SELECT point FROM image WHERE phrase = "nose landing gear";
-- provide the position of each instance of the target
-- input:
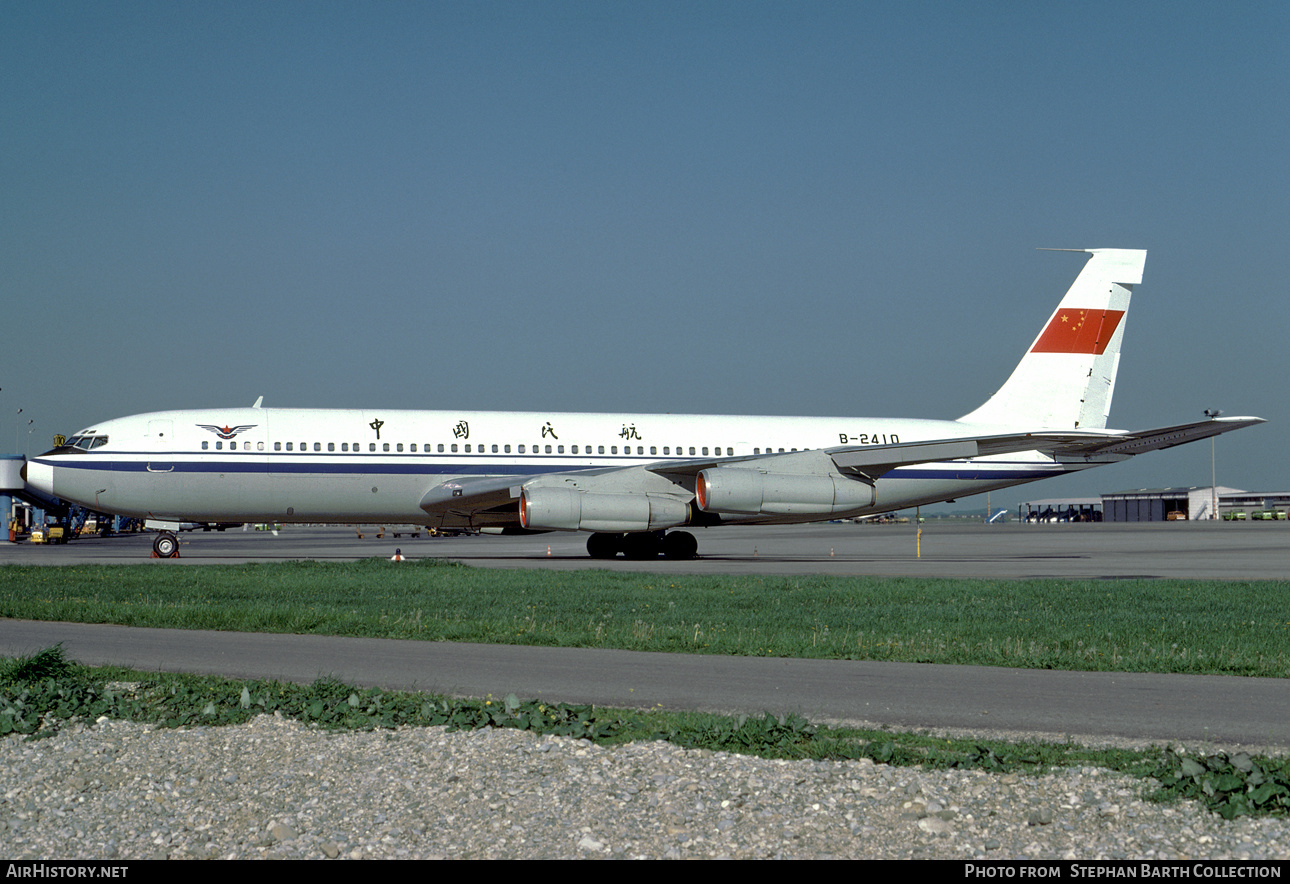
(165, 546)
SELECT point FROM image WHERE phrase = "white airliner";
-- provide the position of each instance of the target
(625, 478)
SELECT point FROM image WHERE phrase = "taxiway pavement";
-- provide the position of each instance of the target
(1087, 706)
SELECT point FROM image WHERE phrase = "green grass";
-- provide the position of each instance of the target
(1219, 627)
(38, 694)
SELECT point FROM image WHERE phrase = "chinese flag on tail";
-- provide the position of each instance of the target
(1078, 331)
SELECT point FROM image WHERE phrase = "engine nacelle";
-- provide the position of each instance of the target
(752, 492)
(565, 509)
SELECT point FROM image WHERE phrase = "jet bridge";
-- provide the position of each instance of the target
(11, 474)
(12, 484)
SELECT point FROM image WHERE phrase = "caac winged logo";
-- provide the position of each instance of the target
(226, 432)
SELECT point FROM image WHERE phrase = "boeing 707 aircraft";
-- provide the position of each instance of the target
(626, 479)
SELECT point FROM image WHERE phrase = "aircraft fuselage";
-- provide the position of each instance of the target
(364, 466)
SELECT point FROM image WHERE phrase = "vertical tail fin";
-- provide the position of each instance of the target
(1066, 378)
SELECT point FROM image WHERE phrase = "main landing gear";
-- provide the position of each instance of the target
(643, 546)
(165, 546)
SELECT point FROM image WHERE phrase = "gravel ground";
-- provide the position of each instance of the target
(277, 788)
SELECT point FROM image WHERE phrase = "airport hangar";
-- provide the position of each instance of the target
(1191, 503)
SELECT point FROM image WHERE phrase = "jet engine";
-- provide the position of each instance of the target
(734, 490)
(565, 509)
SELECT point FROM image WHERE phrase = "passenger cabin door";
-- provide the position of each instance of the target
(159, 442)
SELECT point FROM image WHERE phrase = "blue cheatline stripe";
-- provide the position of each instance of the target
(258, 464)
(971, 475)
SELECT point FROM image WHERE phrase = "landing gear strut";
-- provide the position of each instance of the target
(643, 546)
(165, 546)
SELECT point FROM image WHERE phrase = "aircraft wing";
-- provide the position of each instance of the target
(482, 501)
(468, 495)
(870, 462)
(485, 500)
(1141, 441)
(463, 497)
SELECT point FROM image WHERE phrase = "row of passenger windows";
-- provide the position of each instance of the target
(477, 448)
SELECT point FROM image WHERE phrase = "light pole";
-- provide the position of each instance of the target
(1212, 413)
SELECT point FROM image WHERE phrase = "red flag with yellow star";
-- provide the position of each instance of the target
(1078, 331)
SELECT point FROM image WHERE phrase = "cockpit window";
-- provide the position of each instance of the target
(87, 442)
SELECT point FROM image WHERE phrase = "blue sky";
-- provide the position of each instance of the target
(778, 208)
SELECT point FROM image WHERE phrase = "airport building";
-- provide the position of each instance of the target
(1061, 509)
(1162, 504)
(1192, 503)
